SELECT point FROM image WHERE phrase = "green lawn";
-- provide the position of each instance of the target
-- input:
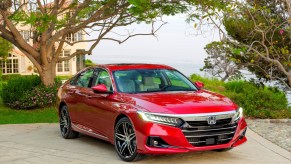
(10, 116)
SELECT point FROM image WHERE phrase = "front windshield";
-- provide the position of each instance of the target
(151, 80)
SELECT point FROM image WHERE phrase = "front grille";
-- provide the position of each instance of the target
(205, 123)
(199, 133)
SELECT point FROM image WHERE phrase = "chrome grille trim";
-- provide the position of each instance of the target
(199, 133)
(199, 116)
(196, 130)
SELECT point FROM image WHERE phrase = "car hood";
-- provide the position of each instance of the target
(201, 101)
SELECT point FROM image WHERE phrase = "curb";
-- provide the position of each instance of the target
(272, 120)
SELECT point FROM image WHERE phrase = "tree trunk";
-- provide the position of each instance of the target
(289, 80)
(48, 74)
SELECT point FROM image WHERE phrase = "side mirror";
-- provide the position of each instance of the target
(101, 88)
(199, 84)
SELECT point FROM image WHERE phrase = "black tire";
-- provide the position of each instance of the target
(66, 125)
(125, 141)
(223, 150)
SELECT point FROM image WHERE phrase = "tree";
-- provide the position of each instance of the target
(221, 61)
(89, 63)
(5, 48)
(51, 22)
(263, 29)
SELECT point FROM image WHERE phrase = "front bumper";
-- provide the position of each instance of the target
(176, 139)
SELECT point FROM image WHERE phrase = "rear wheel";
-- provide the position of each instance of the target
(66, 125)
(125, 141)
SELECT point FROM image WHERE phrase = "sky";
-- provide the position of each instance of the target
(177, 45)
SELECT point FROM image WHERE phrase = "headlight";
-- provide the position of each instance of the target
(172, 121)
(238, 114)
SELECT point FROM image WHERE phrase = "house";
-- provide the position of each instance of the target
(18, 63)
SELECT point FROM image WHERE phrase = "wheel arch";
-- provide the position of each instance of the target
(60, 106)
(120, 116)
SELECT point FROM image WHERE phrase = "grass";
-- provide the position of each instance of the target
(11, 116)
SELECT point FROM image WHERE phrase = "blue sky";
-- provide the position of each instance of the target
(176, 45)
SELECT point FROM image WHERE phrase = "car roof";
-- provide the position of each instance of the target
(130, 66)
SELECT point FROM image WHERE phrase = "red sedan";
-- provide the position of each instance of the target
(148, 109)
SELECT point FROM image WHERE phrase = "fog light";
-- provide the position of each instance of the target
(243, 134)
(154, 141)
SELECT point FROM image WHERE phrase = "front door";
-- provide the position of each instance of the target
(100, 104)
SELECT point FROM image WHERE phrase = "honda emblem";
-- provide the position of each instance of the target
(211, 120)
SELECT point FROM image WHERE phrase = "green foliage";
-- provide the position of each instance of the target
(10, 76)
(258, 101)
(64, 77)
(14, 89)
(212, 84)
(89, 63)
(46, 115)
(5, 48)
(40, 97)
(27, 92)
(263, 25)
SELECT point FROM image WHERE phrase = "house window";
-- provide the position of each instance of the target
(25, 34)
(74, 37)
(64, 66)
(10, 65)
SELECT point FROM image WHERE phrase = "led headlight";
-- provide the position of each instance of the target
(161, 119)
(238, 114)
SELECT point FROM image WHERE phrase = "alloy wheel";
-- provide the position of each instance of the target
(125, 140)
(64, 122)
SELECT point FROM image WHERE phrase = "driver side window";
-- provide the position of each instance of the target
(104, 78)
(85, 79)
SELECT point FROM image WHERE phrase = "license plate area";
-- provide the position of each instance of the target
(210, 141)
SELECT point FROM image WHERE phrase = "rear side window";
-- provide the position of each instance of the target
(85, 79)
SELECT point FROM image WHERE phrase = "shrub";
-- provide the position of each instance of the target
(39, 97)
(212, 84)
(10, 76)
(65, 77)
(15, 87)
(257, 101)
(27, 92)
(1, 75)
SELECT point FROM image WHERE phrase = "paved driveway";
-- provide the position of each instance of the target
(42, 143)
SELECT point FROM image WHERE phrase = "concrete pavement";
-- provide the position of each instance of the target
(42, 143)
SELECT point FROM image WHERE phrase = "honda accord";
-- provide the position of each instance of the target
(148, 109)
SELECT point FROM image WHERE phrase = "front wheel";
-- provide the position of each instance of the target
(125, 140)
(66, 125)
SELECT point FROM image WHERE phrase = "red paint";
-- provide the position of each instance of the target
(96, 113)
(199, 84)
(101, 88)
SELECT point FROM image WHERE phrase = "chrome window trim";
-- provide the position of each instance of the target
(199, 116)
